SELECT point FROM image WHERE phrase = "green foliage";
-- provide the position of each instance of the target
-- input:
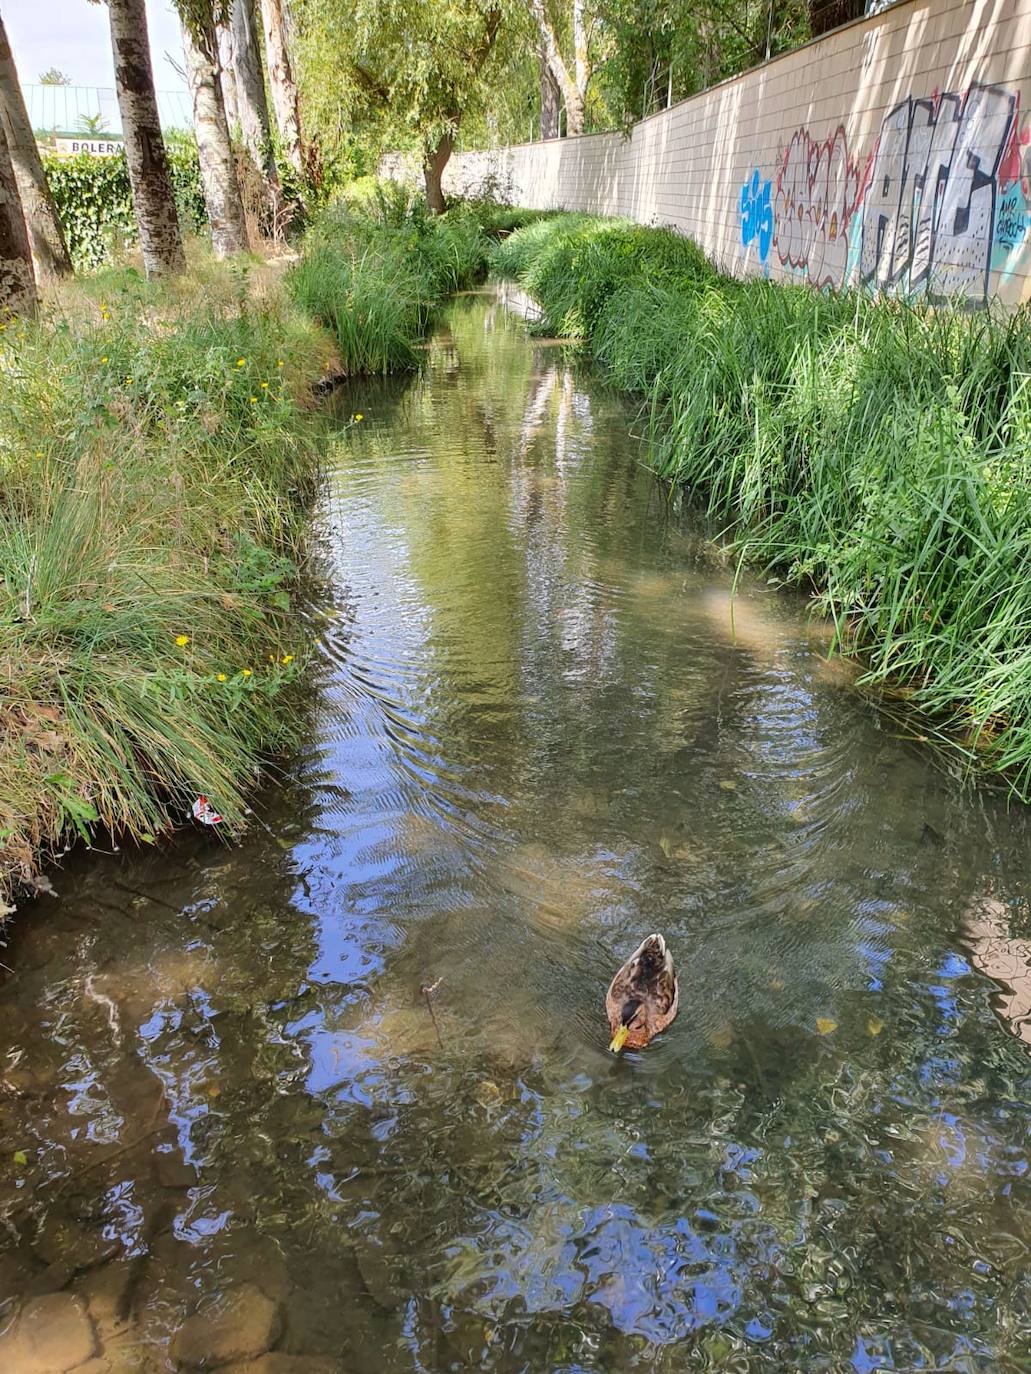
(157, 464)
(874, 453)
(657, 49)
(373, 269)
(404, 73)
(574, 264)
(94, 200)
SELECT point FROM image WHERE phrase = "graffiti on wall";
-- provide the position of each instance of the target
(819, 186)
(756, 215)
(941, 202)
(931, 209)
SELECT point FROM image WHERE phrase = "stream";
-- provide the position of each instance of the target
(544, 723)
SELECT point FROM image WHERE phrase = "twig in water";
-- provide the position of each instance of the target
(429, 991)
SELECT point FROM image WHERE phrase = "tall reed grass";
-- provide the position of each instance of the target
(157, 464)
(876, 453)
(374, 270)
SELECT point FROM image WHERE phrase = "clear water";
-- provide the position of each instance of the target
(544, 729)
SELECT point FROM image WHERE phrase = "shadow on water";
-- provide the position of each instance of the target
(543, 731)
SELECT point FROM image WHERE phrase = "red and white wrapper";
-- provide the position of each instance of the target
(204, 812)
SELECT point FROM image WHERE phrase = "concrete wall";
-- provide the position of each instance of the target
(893, 153)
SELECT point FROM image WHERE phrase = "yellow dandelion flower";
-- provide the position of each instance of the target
(182, 640)
(288, 658)
(254, 400)
(359, 418)
(241, 362)
(39, 455)
(279, 362)
(245, 672)
(128, 381)
(264, 386)
(104, 358)
(220, 677)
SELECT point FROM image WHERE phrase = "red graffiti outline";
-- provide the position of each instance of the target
(813, 153)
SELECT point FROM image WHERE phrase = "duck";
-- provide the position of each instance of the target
(643, 997)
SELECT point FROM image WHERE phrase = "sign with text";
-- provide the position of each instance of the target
(95, 147)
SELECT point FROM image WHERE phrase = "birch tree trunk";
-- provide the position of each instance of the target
(152, 198)
(215, 153)
(281, 82)
(227, 74)
(17, 283)
(45, 233)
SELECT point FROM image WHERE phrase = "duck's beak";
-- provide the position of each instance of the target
(619, 1039)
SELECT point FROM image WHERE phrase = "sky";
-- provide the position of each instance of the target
(73, 35)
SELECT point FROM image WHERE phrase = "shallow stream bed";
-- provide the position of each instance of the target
(544, 728)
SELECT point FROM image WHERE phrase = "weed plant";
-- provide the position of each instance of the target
(876, 453)
(158, 461)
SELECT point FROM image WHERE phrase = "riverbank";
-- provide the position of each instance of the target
(376, 266)
(161, 449)
(159, 457)
(874, 453)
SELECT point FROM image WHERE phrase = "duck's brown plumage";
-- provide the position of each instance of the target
(644, 993)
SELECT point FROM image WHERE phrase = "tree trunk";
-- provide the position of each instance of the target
(433, 171)
(281, 82)
(152, 198)
(17, 283)
(228, 78)
(573, 91)
(254, 123)
(551, 101)
(46, 235)
(217, 164)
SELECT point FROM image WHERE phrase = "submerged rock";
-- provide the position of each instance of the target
(239, 1325)
(50, 1335)
(64, 1241)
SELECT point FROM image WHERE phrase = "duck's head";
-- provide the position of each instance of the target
(628, 1015)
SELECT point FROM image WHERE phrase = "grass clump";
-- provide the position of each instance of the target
(374, 268)
(157, 463)
(874, 452)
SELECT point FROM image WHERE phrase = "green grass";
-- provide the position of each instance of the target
(374, 268)
(158, 460)
(875, 453)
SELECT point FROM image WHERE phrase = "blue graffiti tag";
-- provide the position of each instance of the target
(756, 214)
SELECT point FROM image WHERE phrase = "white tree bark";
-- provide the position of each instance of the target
(45, 232)
(281, 81)
(153, 201)
(253, 106)
(573, 87)
(228, 77)
(17, 283)
(217, 163)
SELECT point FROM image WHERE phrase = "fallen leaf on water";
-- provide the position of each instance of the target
(825, 1025)
(20, 1157)
(874, 1026)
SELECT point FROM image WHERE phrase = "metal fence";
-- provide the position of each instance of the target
(94, 109)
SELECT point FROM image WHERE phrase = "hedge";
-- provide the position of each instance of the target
(94, 200)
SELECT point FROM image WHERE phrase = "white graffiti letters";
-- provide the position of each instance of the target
(929, 212)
